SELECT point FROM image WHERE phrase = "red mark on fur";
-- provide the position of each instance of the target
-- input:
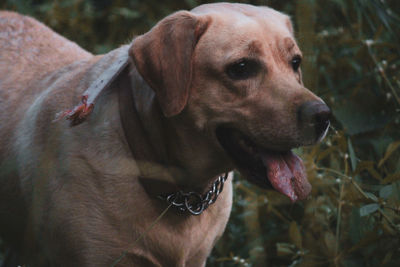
(78, 114)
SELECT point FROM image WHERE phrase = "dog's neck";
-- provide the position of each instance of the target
(159, 148)
(150, 118)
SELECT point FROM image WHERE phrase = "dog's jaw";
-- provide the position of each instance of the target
(281, 170)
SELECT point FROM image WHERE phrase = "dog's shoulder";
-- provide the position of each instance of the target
(32, 57)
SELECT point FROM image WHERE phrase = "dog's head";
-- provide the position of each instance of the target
(234, 70)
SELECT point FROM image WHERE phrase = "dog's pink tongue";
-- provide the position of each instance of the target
(287, 174)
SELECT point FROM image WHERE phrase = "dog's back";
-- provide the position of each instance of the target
(29, 51)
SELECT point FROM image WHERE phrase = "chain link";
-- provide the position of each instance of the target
(193, 202)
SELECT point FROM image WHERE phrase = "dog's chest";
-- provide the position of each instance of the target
(186, 240)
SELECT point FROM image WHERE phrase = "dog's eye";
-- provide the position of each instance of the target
(243, 69)
(296, 61)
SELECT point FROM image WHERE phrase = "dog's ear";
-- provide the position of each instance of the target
(163, 57)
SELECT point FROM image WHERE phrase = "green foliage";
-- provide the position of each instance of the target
(352, 60)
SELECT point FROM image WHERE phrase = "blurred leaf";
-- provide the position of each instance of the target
(367, 239)
(295, 235)
(330, 242)
(389, 151)
(391, 178)
(368, 209)
(386, 191)
(325, 153)
(357, 118)
(191, 3)
(387, 258)
(388, 229)
(284, 249)
(380, 144)
(368, 166)
(352, 155)
(371, 196)
(127, 13)
(355, 222)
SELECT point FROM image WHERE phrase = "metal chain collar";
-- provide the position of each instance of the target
(194, 202)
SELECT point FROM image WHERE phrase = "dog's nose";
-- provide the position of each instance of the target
(315, 115)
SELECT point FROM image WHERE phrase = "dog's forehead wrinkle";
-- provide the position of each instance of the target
(243, 48)
(289, 43)
(255, 47)
(289, 46)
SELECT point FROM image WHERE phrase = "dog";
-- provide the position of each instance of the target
(106, 160)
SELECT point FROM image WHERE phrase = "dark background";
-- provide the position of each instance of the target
(352, 60)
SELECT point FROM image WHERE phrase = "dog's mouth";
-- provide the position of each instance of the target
(284, 171)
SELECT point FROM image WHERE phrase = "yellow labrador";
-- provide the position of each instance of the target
(150, 127)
